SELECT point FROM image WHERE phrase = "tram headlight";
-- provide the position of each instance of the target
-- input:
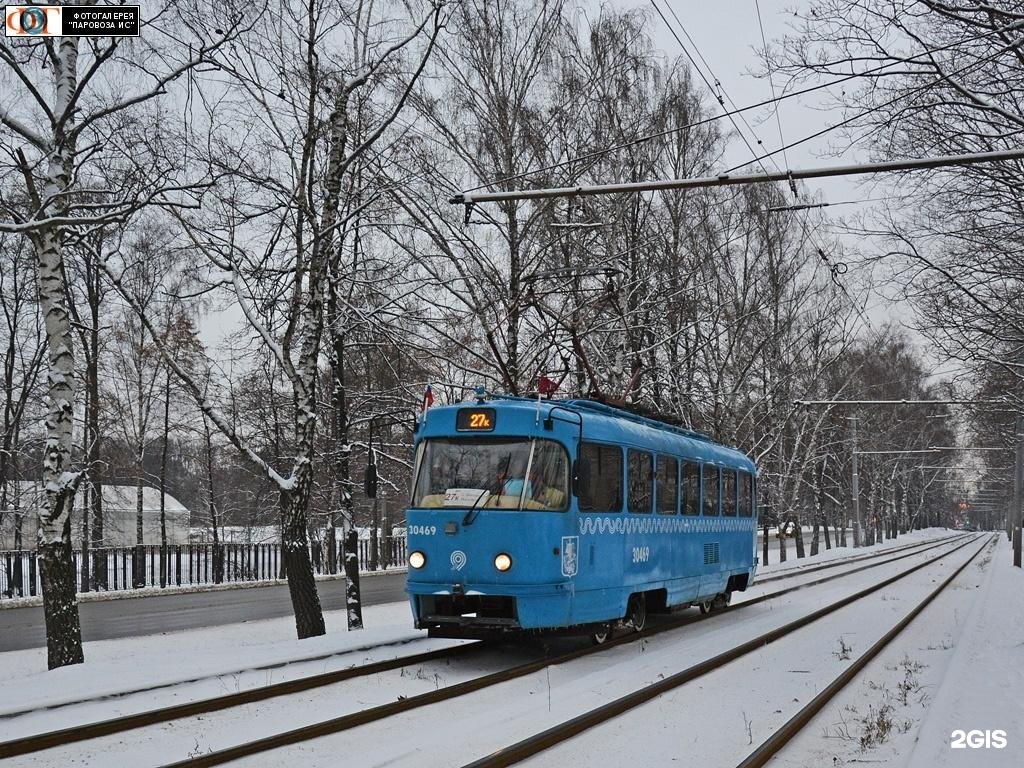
(417, 559)
(502, 562)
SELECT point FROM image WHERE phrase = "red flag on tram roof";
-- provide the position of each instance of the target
(546, 386)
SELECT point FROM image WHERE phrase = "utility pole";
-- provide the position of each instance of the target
(1018, 488)
(856, 488)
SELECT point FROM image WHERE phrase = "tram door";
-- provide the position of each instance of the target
(711, 581)
(642, 542)
(600, 496)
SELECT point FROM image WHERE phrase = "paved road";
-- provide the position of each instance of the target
(105, 619)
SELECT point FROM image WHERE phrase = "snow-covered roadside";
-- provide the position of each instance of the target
(159, 663)
(184, 589)
(984, 683)
(700, 724)
(221, 659)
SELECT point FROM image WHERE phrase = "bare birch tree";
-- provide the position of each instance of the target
(270, 228)
(64, 110)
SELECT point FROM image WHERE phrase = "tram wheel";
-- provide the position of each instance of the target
(636, 612)
(715, 604)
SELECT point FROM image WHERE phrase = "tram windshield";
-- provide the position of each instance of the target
(491, 473)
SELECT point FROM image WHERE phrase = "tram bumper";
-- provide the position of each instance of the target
(479, 611)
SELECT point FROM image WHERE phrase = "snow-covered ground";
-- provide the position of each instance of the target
(958, 666)
(212, 661)
(159, 660)
(712, 721)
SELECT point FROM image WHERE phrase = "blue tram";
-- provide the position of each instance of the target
(572, 516)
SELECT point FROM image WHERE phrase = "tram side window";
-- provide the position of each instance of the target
(729, 492)
(745, 509)
(600, 478)
(711, 489)
(691, 488)
(668, 485)
(641, 481)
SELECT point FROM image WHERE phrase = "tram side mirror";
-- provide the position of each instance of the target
(370, 481)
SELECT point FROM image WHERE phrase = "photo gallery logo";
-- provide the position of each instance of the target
(32, 20)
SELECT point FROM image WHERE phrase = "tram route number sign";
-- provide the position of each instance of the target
(72, 20)
(476, 420)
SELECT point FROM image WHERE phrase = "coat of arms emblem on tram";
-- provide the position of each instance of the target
(570, 558)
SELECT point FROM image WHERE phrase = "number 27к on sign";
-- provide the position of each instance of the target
(72, 20)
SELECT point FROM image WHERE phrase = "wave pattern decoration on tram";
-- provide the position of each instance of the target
(630, 524)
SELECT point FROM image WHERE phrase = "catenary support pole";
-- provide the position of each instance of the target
(856, 489)
(1018, 490)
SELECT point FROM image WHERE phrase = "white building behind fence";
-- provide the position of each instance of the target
(119, 516)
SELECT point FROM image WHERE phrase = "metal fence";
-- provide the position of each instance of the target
(121, 568)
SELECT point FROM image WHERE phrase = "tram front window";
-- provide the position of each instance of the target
(492, 473)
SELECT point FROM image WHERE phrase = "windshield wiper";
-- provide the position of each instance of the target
(470, 515)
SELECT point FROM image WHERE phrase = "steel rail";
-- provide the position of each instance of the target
(858, 569)
(8, 714)
(795, 724)
(84, 732)
(557, 734)
(835, 563)
(71, 734)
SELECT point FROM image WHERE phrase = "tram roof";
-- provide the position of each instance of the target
(639, 418)
(621, 425)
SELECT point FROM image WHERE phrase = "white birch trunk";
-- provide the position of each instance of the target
(60, 606)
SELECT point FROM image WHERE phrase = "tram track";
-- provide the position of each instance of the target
(566, 730)
(917, 551)
(371, 668)
(812, 567)
(283, 664)
(49, 740)
(795, 725)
